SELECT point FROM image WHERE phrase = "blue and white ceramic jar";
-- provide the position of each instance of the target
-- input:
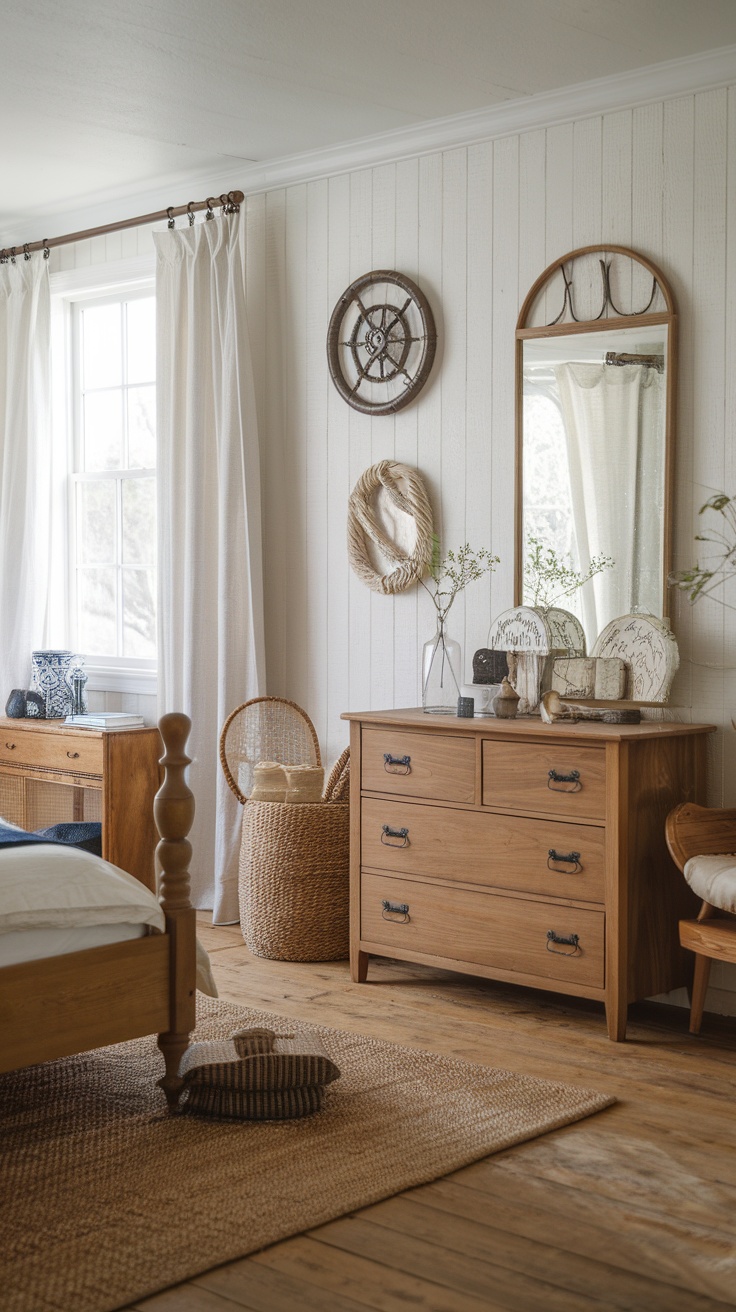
(50, 676)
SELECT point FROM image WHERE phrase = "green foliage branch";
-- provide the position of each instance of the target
(547, 579)
(702, 580)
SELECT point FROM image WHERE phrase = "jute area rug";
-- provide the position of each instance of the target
(106, 1199)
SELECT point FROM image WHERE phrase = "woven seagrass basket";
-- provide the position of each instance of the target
(294, 880)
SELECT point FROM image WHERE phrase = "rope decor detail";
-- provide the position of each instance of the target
(405, 489)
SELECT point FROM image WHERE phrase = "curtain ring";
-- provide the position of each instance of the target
(26, 252)
(225, 203)
(190, 216)
(46, 251)
(210, 212)
(12, 254)
(171, 223)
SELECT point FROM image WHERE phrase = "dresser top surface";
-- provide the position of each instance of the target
(526, 727)
(34, 724)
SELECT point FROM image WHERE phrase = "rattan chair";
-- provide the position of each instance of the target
(265, 729)
(702, 843)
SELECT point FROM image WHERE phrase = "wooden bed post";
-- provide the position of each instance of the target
(173, 809)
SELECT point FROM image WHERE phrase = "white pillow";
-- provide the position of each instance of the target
(49, 887)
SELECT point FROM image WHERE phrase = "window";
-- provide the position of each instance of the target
(112, 480)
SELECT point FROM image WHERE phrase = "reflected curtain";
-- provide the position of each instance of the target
(613, 417)
(211, 647)
(25, 451)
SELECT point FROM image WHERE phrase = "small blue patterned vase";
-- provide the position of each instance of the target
(50, 676)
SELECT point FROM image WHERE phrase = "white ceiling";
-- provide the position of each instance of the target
(102, 98)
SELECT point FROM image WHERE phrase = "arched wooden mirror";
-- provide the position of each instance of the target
(596, 379)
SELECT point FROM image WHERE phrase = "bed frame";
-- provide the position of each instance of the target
(68, 1004)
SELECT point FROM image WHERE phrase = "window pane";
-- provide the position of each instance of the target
(103, 430)
(142, 427)
(102, 359)
(141, 340)
(139, 521)
(139, 613)
(96, 619)
(96, 522)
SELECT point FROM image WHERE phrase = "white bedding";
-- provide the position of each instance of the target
(34, 944)
(56, 899)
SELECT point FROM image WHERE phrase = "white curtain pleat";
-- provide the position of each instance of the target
(210, 625)
(613, 419)
(25, 458)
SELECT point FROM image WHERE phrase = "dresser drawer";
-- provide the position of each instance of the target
(474, 847)
(565, 781)
(70, 752)
(484, 929)
(418, 765)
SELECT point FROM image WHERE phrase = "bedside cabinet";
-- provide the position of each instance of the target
(524, 852)
(51, 772)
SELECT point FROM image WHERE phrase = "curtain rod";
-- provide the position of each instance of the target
(229, 201)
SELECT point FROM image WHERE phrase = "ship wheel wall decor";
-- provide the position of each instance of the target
(381, 342)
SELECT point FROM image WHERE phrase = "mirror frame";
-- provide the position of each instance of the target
(568, 326)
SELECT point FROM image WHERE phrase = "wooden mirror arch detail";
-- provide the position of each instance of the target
(590, 290)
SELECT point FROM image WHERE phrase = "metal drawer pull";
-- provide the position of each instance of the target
(395, 909)
(572, 941)
(72, 755)
(403, 762)
(10, 747)
(572, 778)
(388, 833)
(565, 859)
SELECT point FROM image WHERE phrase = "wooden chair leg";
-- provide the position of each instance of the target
(700, 988)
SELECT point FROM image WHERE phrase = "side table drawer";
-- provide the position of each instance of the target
(485, 929)
(70, 752)
(440, 767)
(565, 781)
(547, 857)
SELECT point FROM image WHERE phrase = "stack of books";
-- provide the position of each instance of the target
(106, 720)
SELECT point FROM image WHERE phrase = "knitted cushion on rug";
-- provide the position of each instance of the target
(256, 1075)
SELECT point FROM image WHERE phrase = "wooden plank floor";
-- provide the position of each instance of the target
(633, 1209)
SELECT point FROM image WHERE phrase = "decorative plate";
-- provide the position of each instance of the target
(650, 651)
(381, 342)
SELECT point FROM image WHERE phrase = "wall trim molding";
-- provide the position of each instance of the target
(105, 276)
(656, 82)
(603, 95)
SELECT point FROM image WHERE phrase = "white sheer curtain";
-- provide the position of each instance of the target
(25, 450)
(211, 650)
(613, 416)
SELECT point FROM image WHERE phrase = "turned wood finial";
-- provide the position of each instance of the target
(173, 809)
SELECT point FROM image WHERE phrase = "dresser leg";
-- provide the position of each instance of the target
(616, 1018)
(359, 967)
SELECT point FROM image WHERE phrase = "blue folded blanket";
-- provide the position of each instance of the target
(87, 835)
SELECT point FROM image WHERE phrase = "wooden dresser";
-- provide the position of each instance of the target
(51, 772)
(521, 851)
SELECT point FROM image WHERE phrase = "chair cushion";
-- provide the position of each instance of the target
(714, 879)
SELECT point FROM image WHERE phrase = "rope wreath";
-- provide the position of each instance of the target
(406, 490)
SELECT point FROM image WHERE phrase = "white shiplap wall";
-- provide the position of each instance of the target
(475, 226)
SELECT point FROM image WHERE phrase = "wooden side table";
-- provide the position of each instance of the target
(51, 772)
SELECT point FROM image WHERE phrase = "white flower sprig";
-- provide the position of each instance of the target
(453, 573)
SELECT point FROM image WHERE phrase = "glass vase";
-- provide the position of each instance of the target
(441, 674)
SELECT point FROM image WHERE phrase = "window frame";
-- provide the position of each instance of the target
(111, 282)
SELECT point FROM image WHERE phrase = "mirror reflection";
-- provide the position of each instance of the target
(594, 464)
